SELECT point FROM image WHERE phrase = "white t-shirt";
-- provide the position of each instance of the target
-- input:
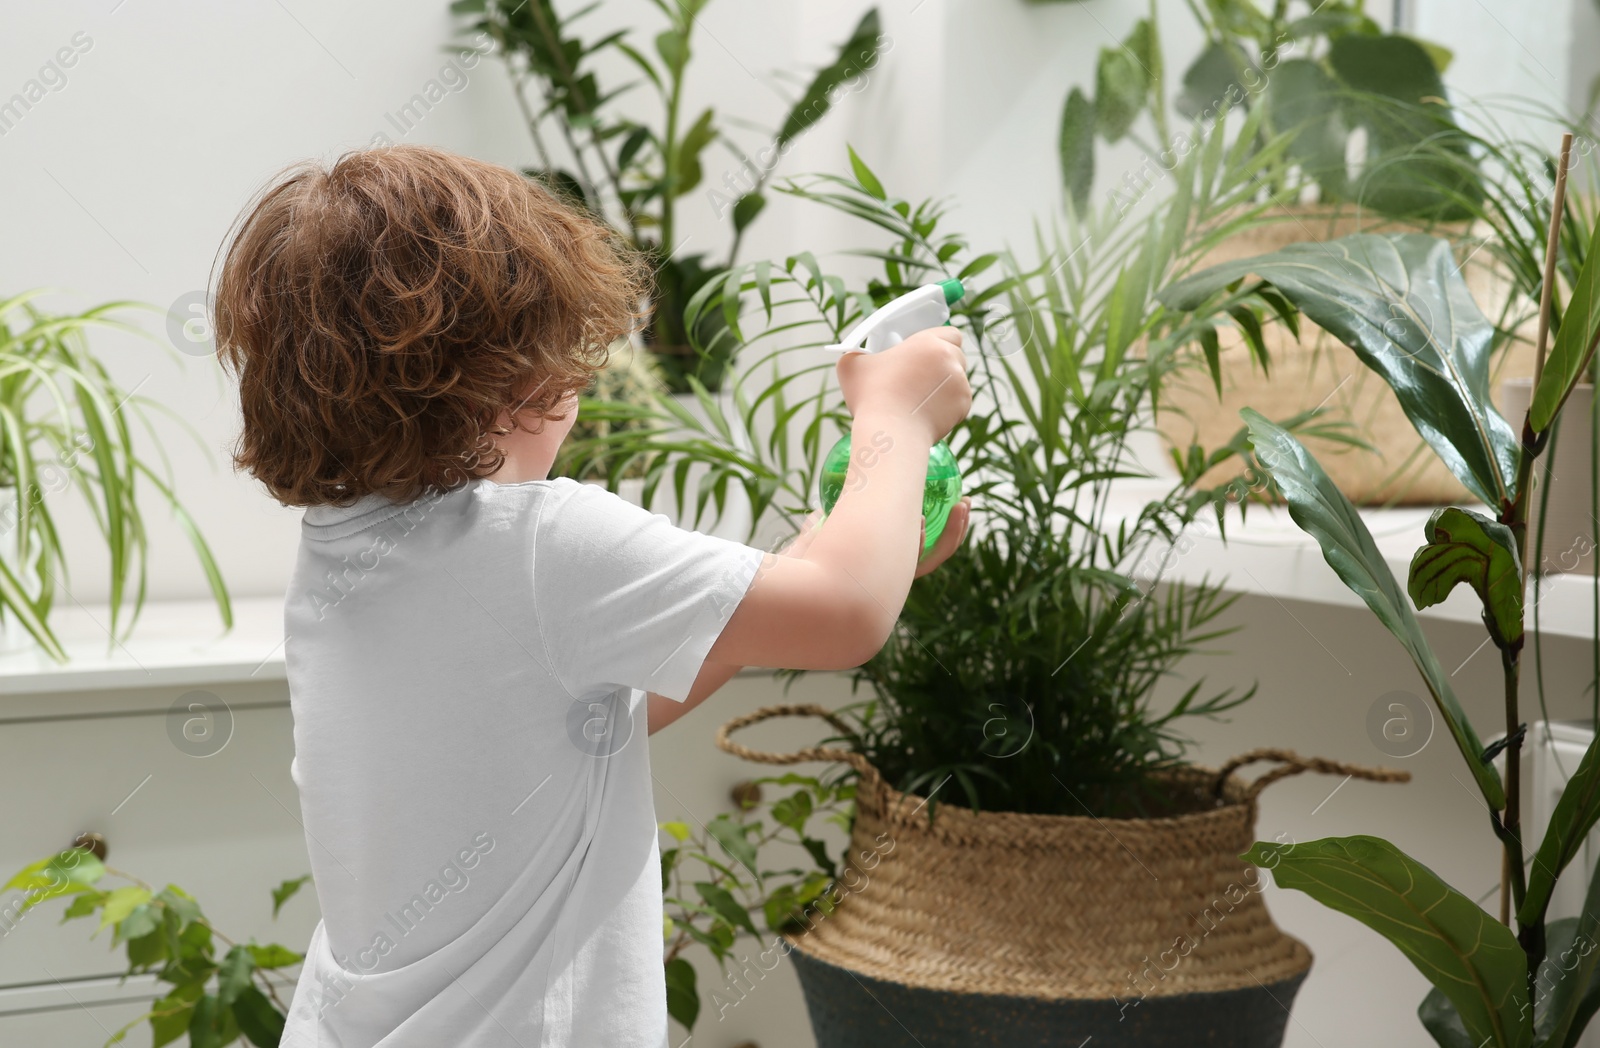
(467, 675)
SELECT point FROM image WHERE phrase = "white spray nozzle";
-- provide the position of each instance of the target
(889, 325)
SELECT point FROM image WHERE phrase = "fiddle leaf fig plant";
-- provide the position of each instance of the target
(1399, 302)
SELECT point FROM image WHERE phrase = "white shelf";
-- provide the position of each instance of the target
(1267, 554)
(173, 643)
(181, 642)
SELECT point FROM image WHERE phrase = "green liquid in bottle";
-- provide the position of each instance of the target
(941, 493)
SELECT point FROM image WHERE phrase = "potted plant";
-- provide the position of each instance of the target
(65, 423)
(1330, 77)
(1012, 716)
(635, 172)
(1533, 985)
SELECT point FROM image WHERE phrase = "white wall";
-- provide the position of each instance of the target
(122, 183)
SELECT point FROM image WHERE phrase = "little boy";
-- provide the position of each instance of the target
(475, 652)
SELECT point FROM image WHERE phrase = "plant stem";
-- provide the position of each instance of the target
(1558, 203)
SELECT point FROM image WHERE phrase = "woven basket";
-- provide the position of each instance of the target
(1051, 906)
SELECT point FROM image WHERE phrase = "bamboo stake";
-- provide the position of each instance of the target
(1512, 817)
(1552, 246)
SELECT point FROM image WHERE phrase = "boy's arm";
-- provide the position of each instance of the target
(713, 675)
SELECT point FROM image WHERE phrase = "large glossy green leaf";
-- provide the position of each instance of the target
(1473, 959)
(1567, 994)
(1323, 512)
(1464, 546)
(1574, 342)
(1302, 99)
(1399, 301)
(1417, 162)
(1577, 811)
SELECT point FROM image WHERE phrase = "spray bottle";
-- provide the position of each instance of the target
(928, 306)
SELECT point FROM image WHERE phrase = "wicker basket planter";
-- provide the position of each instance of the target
(1008, 929)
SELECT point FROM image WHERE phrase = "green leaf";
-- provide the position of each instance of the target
(1418, 162)
(1574, 342)
(258, 1019)
(1443, 1023)
(673, 49)
(1400, 302)
(1574, 995)
(683, 1000)
(1212, 348)
(1576, 813)
(864, 175)
(730, 834)
(1303, 100)
(1215, 81)
(1323, 512)
(285, 891)
(273, 956)
(856, 56)
(793, 811)
(84, 905)
(1464, 546)
(746, 208)
(1119, 92)
(141, 922)
(73, 869)
(727, 907)
(1472, 958)
(121, 902)
(170, 1016)
(147, 949)
(234, 975)
(678, 830)
(686, 171)
(1077, 148)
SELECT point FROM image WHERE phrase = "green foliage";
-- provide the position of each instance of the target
(634, 172)
(1321, 71)
(64, 421)
(1464, 546)
(631, 378)
(1538, 985)
(1469, 956)
(1399, 301)
(214, 1002)
(1025, 667)
(718, 895)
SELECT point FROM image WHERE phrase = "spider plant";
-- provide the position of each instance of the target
(65, 423)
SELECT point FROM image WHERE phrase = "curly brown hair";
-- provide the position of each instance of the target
(382, 314)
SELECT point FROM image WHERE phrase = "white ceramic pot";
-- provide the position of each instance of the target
(1569, 536)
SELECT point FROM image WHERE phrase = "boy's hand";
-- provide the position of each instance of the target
(924, 377)
(955, 532)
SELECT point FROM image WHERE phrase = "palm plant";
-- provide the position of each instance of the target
(1027, 663)
(64, 422)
